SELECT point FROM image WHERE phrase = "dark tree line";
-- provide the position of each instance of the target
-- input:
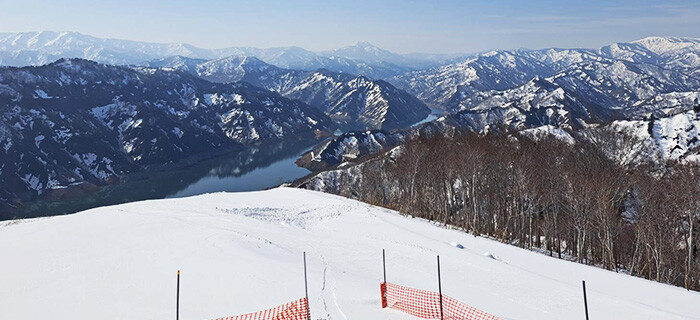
(576, 201)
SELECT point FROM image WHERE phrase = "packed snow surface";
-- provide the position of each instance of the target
(242, 252)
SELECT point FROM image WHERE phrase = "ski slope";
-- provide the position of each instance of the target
(242, 252)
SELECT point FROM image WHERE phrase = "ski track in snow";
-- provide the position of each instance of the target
(242, 252)
(323, 285)
(335, 301)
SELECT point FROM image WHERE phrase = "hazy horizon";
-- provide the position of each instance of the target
(444, 27)
(342, 46)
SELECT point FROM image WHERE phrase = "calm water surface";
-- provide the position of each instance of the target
(254, 168)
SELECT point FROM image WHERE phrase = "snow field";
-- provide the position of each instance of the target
(242, 252)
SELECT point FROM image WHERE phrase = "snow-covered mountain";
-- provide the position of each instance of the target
(355, 101)
(454, 85)
(680, 54)
(181, 63)
(591, 93)
(242, 252)
(536, 103)
(587, 92)
(301, 59)
(620, 76)
(223, 70)
(371, 54)
(38, 48)
(76, 121)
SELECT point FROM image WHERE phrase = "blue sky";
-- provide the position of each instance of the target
(440, 26)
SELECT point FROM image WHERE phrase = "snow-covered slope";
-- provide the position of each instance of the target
(672, 138)
(243, 252)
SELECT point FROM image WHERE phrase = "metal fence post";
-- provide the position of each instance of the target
(585, 299)
(384, 264)
(306, 290)
(177, 301)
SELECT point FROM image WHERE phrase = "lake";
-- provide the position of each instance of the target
(434, 114)
(253, 168)
(282, 169)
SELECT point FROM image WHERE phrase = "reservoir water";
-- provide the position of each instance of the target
(253, 168)
(434, 114)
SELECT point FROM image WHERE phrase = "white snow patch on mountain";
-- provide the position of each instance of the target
(37, 141)
(33, 182)
(548, 130)
(8, 145)
(42, 94)
(178, 132)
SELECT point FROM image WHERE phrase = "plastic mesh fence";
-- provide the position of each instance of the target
(295, 310)
(426, 304)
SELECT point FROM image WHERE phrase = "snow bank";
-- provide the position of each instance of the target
(241, 252)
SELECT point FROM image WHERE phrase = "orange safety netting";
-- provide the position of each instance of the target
(295, 310)
(426, 304)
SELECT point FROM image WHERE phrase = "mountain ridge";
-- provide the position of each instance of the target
(38, 48)
(619, 75)
(357, 101)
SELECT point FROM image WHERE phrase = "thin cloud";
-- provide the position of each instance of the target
(550, 19)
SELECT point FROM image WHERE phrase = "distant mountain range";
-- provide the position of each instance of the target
(655, 75)
(38, 48)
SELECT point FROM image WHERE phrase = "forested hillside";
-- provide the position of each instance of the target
(584, 197)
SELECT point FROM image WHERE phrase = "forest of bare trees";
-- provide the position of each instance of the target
(575, 201)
